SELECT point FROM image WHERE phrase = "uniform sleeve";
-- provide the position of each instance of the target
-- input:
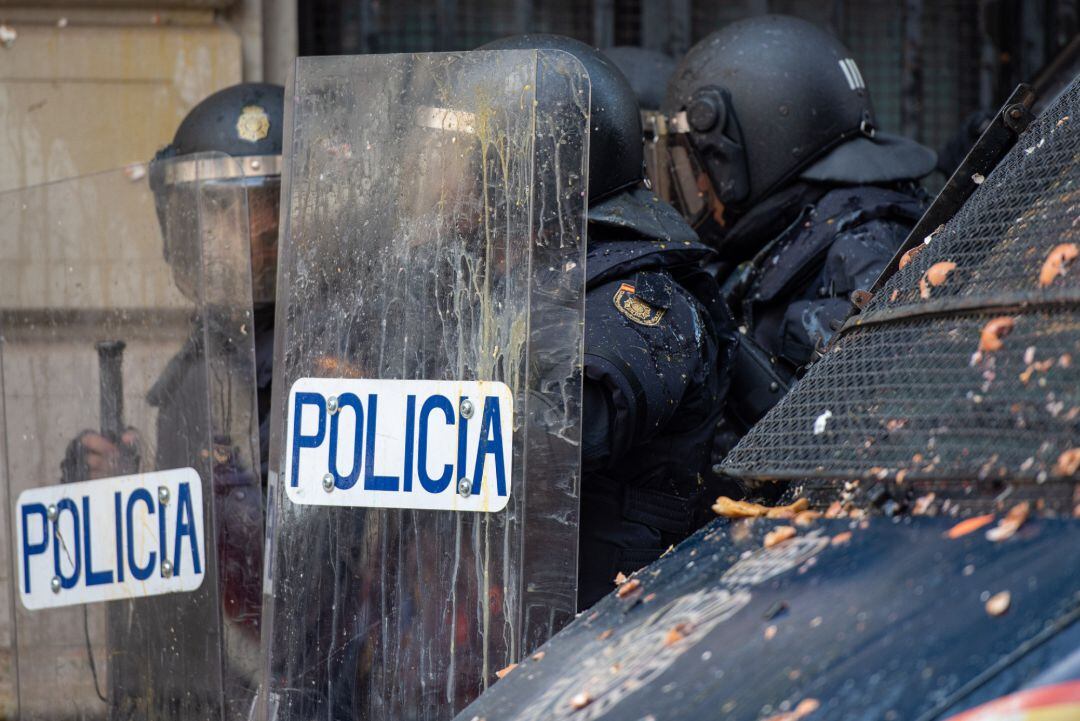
(646, 344)
(854, 261)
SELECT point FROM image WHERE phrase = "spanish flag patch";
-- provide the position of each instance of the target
(635, 308)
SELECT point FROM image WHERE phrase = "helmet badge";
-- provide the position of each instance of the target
(253, 124)
(852, 74)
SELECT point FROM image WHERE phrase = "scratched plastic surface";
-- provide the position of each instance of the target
(81, 263)
(435, 230)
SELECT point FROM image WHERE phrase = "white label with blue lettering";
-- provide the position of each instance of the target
(437, 445)
(116, 538)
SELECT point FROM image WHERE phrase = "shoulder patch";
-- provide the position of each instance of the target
(635, 308)
(253, 124)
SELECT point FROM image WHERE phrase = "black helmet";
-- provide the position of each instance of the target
(771, 98)
(648, 72)
(243, 122)
(616, 157)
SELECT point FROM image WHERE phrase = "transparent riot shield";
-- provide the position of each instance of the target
(130, 439)
(425, 455)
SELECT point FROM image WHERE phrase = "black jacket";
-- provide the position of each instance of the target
(657, 340)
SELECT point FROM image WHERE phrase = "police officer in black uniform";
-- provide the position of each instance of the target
(657, 341)
(243, 122)
(780, 166)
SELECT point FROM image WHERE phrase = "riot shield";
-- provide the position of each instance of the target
(425, 457)
(130, 438)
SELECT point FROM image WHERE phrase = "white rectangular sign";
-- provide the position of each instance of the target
(111, 539)
(439, 445)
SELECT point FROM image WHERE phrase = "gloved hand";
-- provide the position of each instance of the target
(91, 456)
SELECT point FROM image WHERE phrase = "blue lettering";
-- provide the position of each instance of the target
(373, 482)
(33, 549)
(119, 538)
(410, 421)
(299, 440)
(66, 504)
(93, 578)
(141, 573)
(163, 543)
(462, 442)
(350, 400)
(437, 485)
(491, 442)
(185, 526)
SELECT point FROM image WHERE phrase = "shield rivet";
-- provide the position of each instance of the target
(54, 584)
(328, 482)
(464, 487)
(331, 405)
(166, 568)
(466, 408)
(52, 512)
(163, 495)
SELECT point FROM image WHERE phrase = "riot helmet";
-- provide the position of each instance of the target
(768, 100)
(648, 72)
(615, 155)
(226, 148)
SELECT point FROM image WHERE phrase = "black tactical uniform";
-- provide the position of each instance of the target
(656, 344)
(778, 164)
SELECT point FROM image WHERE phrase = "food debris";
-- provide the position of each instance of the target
(502, 672)
(676, 633)
(804, 709)
(1010, 524)
(923, 504)
(978, 178)
(538, 655)
(1056, 262)
(906, 258)
(620, 578)
(730, 508)
(779, 535)
(770, 633)
(580, 701)
(1036, 366)
(934, 276)
(7, 36)
(970, 525)
(1068, 463)
(605, 635)
(627, 588)
(840, 538)
(806, 518)
(820, 422)
(835, 510)
(999, 603)
(135, 171)
(992, 333)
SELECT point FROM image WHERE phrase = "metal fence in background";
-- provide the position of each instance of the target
(931, 65)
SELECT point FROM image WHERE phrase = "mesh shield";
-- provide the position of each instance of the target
(129, 407)
(961, 372)
(435, 232)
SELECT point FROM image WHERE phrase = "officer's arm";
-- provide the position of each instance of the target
(638, 366)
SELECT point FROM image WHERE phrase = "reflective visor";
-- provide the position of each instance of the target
(211, 190)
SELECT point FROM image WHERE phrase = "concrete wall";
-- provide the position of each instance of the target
(84, 89)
